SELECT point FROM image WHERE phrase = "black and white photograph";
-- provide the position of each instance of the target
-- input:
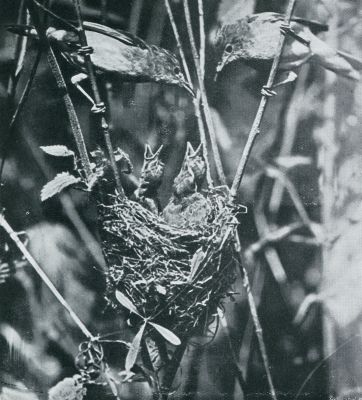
(180, 199)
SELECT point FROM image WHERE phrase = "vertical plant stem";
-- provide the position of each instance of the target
(100, 108)
(172, 368)
(14, 237)
(258, 329)
(255, 129)
(196, 100)
(205, 103)
(200, 6)
(54, 66)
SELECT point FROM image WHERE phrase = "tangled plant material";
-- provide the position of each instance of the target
(174, 276)
(68, 389)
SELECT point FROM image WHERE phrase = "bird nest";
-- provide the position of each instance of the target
(174, 276)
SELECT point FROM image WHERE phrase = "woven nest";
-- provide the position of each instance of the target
(174, 276)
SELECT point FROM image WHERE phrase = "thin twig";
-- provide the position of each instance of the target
(14, 236)
(100, 107)
(54, 66)
(204, 100)
(255, 129)
(258, 329)
(200, 6)
(196, 100)
(172, 369)
(19, 52)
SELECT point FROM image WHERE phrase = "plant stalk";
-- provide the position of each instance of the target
(255, 129)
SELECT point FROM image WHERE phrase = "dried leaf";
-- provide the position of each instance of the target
(195, 263)
(167, 334)
(58, 151)
(126, 303)
(135, 348)
(55, 186)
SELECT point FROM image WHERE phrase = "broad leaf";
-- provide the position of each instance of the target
(126, 303)
(167, 334)
(58, 151)
(55, 186)
(134, 349)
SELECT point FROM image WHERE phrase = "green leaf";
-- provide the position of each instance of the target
(167, 334)
(127, 303)
(58, 151)
(135, 348)
(55, 186)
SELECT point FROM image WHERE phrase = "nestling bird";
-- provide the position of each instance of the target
(151, 179)
(187, 207)
(254, 40)
(114, 52)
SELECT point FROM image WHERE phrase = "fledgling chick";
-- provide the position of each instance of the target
(150, 181)
(187, 207)
(115, 52)
(254, 39)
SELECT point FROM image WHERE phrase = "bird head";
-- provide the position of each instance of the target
(196, 162)
(230, 42)
(168, 69)
(152, 169)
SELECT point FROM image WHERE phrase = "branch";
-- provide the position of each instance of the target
(202, 37)
(255, 129)
(196, 100)
(14, 237)
(205, 103)
(258, 328)
(99, 106)
(54, 66)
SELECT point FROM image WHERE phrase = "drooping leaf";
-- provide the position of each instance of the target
(55, 186)
(167, 334)
(58, 150)
(135, 348)
(127, 303)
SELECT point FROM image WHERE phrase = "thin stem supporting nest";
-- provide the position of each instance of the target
(255, 129)
(97, 98)
(196, 100)
(204, 100)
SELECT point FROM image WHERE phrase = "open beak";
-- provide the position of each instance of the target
(188, 88)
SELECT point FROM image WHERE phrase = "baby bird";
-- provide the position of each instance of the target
(114, 52)
(254, 40)
(150, 181)
(187, 207)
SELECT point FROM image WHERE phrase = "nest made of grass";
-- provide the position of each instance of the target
(174, 276)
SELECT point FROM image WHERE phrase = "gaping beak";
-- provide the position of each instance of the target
(188, 88)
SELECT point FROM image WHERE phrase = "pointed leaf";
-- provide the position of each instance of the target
(126, 303)
(60, 182)
(58, 151)
(167, 334)
(135, 348)
(195, 263)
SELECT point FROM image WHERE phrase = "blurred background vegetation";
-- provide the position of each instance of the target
(318, 118)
